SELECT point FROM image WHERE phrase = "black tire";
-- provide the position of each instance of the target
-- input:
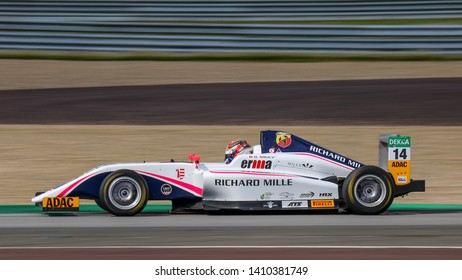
(100, 204)
(123, 193)
(368, 190)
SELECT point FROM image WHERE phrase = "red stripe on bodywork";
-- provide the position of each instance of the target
(196, 190)
(325, 159)
(251, 173)
(74, 185)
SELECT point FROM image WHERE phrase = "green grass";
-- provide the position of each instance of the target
(86, 208)
(256, 57)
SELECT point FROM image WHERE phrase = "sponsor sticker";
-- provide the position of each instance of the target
(68, 203)
(180, 173)
(307, 195)
(322, 203)
(274, 150)
(325, 194)
(305, 165)
(295, 204)
(253, 182)
(256, 164)
(283, 139)
(166, 189)
(399, 141)
(402, 179)
(286, 195)
(266, 195)
(270, 204)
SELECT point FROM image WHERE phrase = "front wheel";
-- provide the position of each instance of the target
(368, 190)
(123, 193)
(101, 205)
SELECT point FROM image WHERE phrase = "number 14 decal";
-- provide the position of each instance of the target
(401, 153)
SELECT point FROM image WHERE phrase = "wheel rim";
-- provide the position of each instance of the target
(370, 190)
(125, 193)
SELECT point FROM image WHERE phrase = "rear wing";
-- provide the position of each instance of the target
(395, 158)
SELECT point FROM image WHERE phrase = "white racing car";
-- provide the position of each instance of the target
(284, 172)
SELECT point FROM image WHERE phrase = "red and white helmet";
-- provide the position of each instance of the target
(234, 148)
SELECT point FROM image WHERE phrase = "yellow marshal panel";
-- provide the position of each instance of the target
(399, 159)
(61, 204)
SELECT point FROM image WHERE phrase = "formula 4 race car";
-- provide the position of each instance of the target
(284, 172)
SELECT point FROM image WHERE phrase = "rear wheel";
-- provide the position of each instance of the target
(123, 193)
(368, 190)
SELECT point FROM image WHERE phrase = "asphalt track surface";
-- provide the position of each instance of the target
(402, 102)
(393, 235)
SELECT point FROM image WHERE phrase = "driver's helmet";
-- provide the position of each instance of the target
(236, 147)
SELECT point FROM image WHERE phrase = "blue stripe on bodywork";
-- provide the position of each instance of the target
(155, 192)
(89, 189)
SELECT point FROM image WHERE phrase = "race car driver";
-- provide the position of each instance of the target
(235, 148)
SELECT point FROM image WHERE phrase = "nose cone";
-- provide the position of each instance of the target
(39, 197)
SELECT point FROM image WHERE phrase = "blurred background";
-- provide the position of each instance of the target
(254, 27)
